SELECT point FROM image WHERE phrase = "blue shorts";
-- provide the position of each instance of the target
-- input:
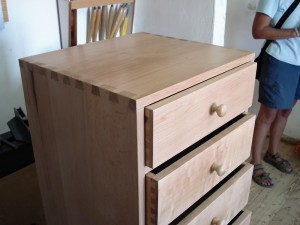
(279, 83)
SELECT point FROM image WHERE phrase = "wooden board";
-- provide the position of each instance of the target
(4, 10)
(244, 218)
(85, 106)
(225, 202)
(177, 122)
(143, 67)
(188, 173)
(77, 4)
(82, 174)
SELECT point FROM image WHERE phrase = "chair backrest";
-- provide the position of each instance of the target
(107, 19)
(4, 10)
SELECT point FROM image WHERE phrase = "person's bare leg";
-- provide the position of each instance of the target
(276, 131)
(277, 128)
(263, 122)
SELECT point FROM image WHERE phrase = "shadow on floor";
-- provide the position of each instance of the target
(20, 199)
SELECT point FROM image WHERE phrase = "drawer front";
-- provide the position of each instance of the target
(175, 123)
(243, 219)
(171, 191)
(222, 206)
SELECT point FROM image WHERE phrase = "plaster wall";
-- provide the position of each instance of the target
(240, 15)
(195, 20)
(32, 29)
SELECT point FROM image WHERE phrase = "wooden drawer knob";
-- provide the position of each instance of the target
(218, 168)
(217, 221)
(221, 110)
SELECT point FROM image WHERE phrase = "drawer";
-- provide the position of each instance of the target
(172, 190)
(176, 122)
(225, 203)
(243, 219)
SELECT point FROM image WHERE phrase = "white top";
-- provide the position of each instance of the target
(286, 50)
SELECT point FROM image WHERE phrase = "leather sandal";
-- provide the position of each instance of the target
(297, 149)
(278, 162)
(260, 176)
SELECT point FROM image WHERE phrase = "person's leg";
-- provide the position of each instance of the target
(263, 122)
(276, 131)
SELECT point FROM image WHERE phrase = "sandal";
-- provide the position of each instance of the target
(297, 149)
(278, 162)
(261, 177)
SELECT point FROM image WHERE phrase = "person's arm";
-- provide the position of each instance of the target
(261, 29)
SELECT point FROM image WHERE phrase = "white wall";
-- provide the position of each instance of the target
(194, 20)
(82, 21)
(1, 18)
(202, 20)
(240, 15)
(32, 29)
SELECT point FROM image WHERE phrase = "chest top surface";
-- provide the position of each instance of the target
(142, 66)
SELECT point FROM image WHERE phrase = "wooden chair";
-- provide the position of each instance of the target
(100, 8)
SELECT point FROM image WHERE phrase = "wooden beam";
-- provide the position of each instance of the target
(73, 28)
(4, 10)
(77, 4)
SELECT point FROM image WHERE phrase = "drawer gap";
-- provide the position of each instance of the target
(213, 77)
(235, 218)
(197, 144)
(206, 196)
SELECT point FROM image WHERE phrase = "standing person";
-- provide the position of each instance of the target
(279, 83)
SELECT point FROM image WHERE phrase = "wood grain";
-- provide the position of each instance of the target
(104, 21)
(97, 24)
(92, 22)
(225, 202)
(72, 32)
(120, 17)
(244, 219)
(85, 106)
(77, 4)
(74, 5)
(142, 66)
(278, 215)
(74, 172)
(4, 10)
(177, 122)
(188, 173)
(110, 21)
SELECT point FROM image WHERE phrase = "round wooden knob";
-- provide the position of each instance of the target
(221, 110)
(218, 168)
(217, 221)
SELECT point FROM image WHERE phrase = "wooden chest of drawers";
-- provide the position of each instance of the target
(142, 129)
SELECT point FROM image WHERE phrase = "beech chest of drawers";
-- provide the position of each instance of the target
(142, 129)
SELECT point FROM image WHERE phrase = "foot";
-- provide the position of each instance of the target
(260, 176)
(278, 162)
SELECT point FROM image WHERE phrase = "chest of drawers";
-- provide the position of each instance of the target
(142, 129)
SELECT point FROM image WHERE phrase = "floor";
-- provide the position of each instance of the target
(279, 205)
(20, 201)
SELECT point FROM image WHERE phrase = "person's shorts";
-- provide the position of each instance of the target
(279, 83)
